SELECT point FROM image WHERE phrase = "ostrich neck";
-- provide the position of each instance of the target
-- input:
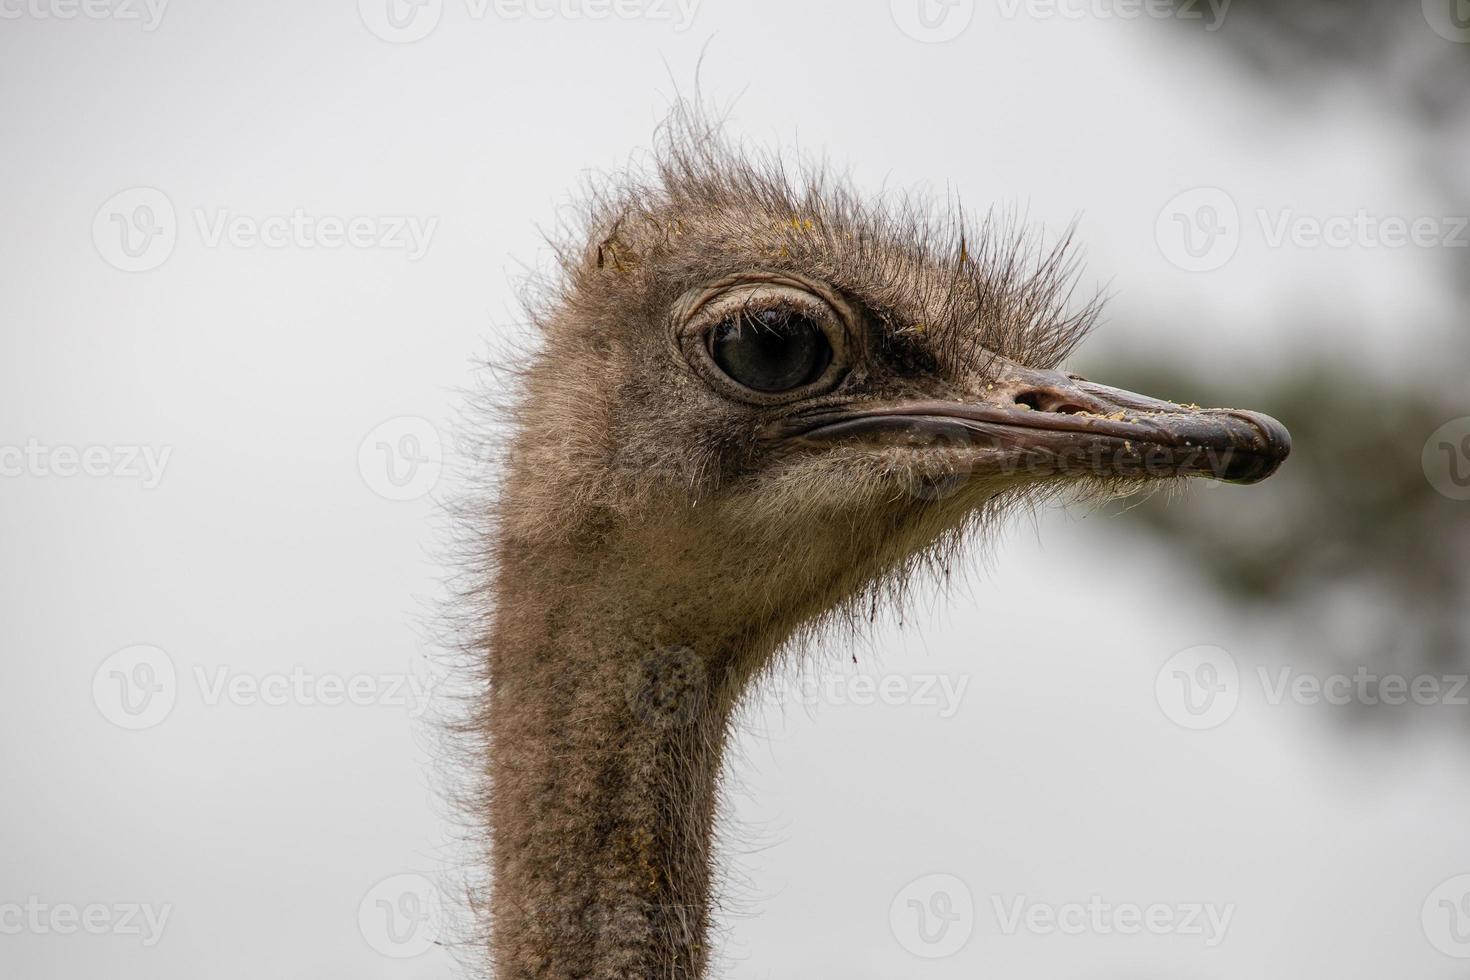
(606, 721)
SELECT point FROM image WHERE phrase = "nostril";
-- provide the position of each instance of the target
(1045, 401)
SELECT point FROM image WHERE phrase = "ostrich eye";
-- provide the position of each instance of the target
(772, 350)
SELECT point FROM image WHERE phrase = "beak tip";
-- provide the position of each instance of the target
(1269, 450)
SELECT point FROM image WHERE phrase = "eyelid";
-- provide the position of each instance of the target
(719, 316)
(759, 298)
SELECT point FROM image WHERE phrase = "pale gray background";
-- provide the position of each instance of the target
(263, 548)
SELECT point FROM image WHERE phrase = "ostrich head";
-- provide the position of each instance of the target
(791, 396)
(756, 403)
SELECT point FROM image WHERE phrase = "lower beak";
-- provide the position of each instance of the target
(1038, 424)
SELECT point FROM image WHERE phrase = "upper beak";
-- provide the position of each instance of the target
(1034, 423)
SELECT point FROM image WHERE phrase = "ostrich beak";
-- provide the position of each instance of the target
(1036, 424)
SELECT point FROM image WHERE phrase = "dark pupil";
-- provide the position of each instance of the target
(773, 350)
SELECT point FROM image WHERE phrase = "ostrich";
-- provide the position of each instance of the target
(758, 405)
